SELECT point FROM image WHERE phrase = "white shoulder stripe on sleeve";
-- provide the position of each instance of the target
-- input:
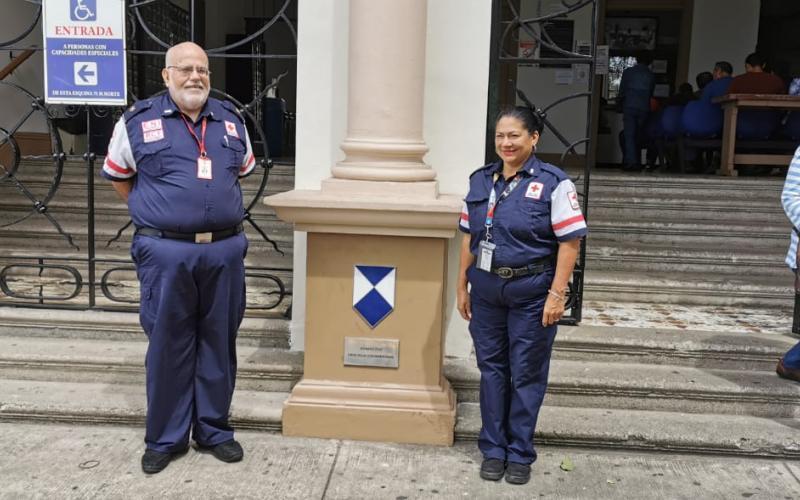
(565, 212)
(119, 161)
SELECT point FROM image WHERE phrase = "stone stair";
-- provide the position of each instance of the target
(618, 388)
(687, 240)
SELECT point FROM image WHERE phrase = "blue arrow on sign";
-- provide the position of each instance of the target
(84, 73)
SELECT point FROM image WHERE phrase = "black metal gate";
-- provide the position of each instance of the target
(546, 40)
(51, 252)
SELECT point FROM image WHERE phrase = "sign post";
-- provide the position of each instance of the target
(84, 43)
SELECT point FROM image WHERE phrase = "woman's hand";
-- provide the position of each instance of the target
(553, 310)
(463, 305)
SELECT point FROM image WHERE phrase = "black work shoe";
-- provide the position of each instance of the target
(518, 473)
(154, 461)
(229, 451)
(787, 373)
(492, 469)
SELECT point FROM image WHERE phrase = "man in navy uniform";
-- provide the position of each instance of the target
(176, 159)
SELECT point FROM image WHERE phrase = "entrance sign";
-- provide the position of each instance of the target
(84, 43)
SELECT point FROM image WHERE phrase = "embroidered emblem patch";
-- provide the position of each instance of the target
(534, 190)
(152, 131)
(573, 199)
(230, 128)
(373, 292)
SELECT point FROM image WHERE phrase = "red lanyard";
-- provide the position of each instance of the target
(201, 142)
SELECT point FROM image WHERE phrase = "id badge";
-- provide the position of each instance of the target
(485, 252)
(204, 168)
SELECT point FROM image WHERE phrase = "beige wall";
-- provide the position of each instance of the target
(731, 40)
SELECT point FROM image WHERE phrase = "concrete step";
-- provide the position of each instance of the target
(659, 346)
(685, 187)
(122, 404)
(645, 258)
(702, 289)
(575, 383)
(707, 350)
(268, 329)
(689, 233)
(122, 362)
(653, 431)
(612, 209)
(98, 403)
(592, 384)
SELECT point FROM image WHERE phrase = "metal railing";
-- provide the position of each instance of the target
(56, 280)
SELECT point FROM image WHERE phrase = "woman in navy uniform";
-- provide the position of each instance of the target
(523, 227)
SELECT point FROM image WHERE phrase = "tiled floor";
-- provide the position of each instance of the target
(710, 318)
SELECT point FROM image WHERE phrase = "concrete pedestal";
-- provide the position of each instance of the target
(412, 403)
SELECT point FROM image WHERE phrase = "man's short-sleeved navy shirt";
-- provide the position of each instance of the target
(153, 145)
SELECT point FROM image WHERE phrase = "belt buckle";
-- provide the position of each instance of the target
(203, 237)
(504, 272)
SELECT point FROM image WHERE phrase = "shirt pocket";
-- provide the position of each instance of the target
(151, 160)
(235, 149)
(476, 207)
(536, 217)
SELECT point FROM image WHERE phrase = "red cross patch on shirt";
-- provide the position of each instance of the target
(534, 190)
(230, 128)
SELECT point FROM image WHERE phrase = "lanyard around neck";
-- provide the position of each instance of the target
(494, 201)
(201, 141)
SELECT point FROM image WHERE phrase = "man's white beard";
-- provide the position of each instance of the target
(191, 101)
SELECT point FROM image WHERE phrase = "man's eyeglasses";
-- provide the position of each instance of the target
(187, 70)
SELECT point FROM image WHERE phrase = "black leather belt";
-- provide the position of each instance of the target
(536, 267)
(207, 237)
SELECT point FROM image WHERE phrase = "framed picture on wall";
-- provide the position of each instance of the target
(631, 33)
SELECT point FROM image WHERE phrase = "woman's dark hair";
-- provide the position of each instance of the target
(530, 119)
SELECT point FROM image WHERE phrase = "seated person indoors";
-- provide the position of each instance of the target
(703, 118)
(756, 123)
(722, 80)
(702, 79)
(755, 80)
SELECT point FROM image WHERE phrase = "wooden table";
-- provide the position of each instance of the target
(731, 104)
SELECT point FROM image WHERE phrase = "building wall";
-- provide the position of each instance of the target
(457, 67)
(730, 40)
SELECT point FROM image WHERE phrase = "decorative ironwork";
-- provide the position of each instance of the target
(58, 280)
(508, 25)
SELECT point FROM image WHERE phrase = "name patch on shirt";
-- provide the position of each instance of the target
(534, 190)
(230, 128)
(152, 131)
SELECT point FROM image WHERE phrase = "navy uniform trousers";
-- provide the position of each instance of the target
(513, 351)
(192, 302)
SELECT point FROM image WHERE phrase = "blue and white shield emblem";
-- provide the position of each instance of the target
(373, 292)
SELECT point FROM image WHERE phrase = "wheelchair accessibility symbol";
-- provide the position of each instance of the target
(83, 10)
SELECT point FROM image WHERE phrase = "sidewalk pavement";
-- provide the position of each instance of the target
(59, 461)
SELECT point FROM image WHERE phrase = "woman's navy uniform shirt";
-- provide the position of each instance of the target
(540, 212)
(152, 142)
